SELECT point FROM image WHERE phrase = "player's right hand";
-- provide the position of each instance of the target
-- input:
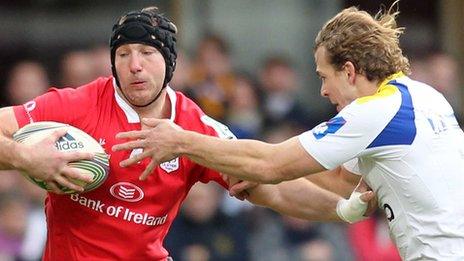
(368, 196)
(157, 139)
(361, 204)
(44, 161)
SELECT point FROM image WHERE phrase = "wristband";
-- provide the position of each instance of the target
(352, 210)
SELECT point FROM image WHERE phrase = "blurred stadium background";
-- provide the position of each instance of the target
(250, 65)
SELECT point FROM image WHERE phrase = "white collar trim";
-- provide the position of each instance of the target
(173, 98)
(131, 114)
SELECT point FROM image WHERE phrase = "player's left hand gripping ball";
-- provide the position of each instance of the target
(74, 140)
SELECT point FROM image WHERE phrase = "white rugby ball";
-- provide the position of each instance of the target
(74, 140)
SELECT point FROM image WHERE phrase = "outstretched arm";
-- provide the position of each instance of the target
(303, 199)
(244, 159)
(298, 198)
(313, 197)
(250, 159)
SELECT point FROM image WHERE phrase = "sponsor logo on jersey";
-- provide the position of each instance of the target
(170, 166)
(126, 191)
(120, 212)
(331, 126)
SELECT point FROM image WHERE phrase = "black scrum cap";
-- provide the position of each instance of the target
(150, 28)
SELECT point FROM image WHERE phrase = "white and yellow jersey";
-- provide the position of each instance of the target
(406, 143)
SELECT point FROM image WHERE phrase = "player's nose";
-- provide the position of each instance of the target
(135, 64)
(324, 92)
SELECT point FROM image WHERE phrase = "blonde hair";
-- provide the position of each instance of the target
(370, 43)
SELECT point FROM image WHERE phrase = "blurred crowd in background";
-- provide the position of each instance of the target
(263, 105)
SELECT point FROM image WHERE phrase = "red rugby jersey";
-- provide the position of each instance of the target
(124, 219)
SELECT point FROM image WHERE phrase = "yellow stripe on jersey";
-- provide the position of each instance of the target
(384, 89)
(382, 92)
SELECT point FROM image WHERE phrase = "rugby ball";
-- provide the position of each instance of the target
(74, 140)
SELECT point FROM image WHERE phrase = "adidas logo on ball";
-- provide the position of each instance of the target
(67, 142)
(74, 140)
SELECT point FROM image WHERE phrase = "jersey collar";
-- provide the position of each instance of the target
(391, 78)
(131, 114)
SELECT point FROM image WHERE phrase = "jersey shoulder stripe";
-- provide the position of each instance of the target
(401, 130)
(383, 92)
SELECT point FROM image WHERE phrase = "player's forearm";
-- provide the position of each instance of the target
(298, 198)
(249, 159)
(243, 159)
(11, 153)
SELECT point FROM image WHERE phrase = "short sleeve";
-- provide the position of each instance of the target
(60, 105)
(349, 134)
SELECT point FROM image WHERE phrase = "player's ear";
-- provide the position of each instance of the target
(350, 71)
